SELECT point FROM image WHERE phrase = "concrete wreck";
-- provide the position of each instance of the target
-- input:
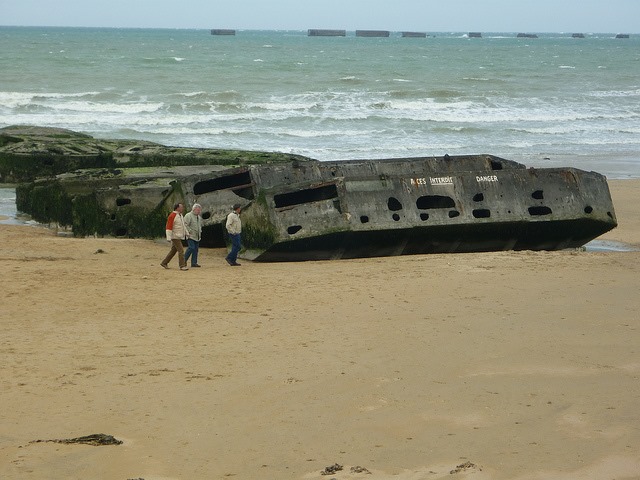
(296, 208)
(364, 208)
(311, 210)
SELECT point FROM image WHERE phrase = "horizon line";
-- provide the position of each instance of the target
(566, 32)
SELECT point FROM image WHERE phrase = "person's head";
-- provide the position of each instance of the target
(196, 209)
(178, 207)
(237, 208)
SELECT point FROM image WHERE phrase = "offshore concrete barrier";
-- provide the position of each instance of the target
(527, 35)
(622, 35)
(319, 32)
(222, 31)
(577, 35)
(372, 33)
(414, 34)
(475, 35)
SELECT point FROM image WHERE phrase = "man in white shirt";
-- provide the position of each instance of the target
(234, 228)
(176, 232)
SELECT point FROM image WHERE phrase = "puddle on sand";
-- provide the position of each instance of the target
(608, 246)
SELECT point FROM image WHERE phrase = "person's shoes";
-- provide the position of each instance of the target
(184, 269)
(235, 264)
(229, 262)
(195, 266)
(164, 266)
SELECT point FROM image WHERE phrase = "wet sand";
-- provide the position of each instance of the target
(508, 365)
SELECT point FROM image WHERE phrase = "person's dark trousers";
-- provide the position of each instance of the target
(192, 251)
(235, 248)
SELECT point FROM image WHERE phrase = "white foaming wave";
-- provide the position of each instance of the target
(611, 141)
(429, 104)
(298, 133)
(265, 131)
(278, 106)
(466, 111)
(128, 108)
(15, 99)
(18, 99)
(316, 106)
(615, 93)
(576, 128)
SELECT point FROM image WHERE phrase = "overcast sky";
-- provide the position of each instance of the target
(589, 16)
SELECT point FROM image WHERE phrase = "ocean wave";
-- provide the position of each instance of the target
(537, 118)
(93, 107)
(615, 93)
(16, 99)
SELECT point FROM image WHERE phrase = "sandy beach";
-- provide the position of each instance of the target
(507, 365)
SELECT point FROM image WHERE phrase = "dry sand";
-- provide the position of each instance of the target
(514, 365)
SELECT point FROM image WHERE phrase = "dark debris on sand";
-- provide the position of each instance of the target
(464, 466)
(97, 439)
(331, 469)
(359, 469)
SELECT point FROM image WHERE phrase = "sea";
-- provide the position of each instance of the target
(549, 101)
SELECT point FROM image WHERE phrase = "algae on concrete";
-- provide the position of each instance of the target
(30, 152)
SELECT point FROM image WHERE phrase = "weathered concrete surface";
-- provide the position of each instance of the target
(28, 152)
(345, 209)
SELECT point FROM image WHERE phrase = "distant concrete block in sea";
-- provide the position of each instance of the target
(372, 33)
(414, 34)
(577, 35)
(222, 31)
(527, 35)
(622, 35)
(318, 32)
(475, 35)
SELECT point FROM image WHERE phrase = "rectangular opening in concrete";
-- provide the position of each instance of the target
(308, 195)
(238, 180)
(427, 202)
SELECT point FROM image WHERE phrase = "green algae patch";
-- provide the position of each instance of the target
(27, 153)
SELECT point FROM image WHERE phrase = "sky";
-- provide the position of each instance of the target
(585, 16)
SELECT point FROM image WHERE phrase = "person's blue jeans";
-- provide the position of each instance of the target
(235, 247)
(192, 251)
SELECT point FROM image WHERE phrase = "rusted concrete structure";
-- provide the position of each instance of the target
(414, 34)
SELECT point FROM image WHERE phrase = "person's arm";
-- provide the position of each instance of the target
(169, 227)
(188, 224)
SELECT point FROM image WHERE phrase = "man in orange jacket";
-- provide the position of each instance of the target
(176, 232)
